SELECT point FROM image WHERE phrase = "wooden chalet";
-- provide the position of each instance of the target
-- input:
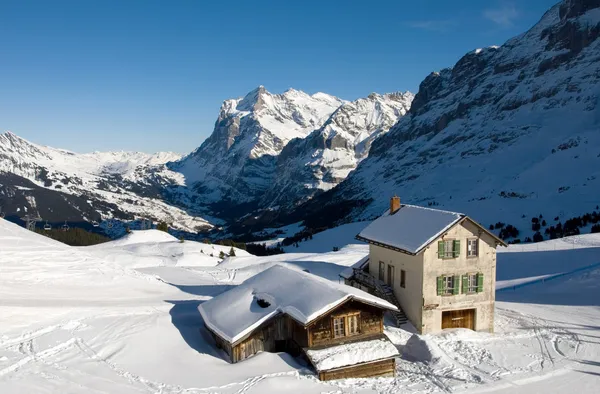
(337, 328)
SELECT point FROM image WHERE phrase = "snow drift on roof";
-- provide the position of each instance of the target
(301, 295)
(411, 228)
(352, 354)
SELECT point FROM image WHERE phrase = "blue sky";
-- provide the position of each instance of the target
(151, 75)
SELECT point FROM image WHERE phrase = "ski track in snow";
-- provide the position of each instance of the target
(99, 318)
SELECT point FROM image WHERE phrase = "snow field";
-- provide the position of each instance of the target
(84, 320)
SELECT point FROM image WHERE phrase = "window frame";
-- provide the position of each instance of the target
(391, 273)
(451, 253)
(476, 242)
(472, 289)
(403, 279)
(448, 291)
(381, 271)
(345, 323)
(335, 330)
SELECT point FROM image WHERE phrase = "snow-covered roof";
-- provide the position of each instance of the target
(348, 272)
(352, 354)
(411, 228)
(303, 296)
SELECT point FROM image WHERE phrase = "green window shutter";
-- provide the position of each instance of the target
(465, 284)
(440, 285)
(441, 249)
(456, 249)
(456, 289)
(479, 283)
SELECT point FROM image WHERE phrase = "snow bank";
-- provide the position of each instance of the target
(352, 354)
(301, 295)
(136, 237)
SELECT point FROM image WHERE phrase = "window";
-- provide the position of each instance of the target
(448, 249)
(353, 325)
(346, 325)
(402, 278)
(390, 277)
(472, 283)
(472, 247)
(338, 327)
(448, 285)
(381, 270)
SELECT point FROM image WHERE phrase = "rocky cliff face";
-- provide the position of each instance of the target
(237, 161)
(506, 132)
(273, 151)
(326, 156)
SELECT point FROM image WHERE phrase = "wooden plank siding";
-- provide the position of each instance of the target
(370, 323)
(284, 334)
(375, 369)
(281, 334)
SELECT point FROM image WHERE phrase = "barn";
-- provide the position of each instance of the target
(337, 328)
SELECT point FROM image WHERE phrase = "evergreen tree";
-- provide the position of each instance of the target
(221, 255)
(232, 252)
(163, 226)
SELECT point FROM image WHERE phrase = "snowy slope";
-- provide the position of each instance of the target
(74, 322)
(62, 185)
(154, 248)
(508, 133)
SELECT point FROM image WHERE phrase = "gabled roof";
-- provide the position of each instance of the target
(301, 295)
(412, 228)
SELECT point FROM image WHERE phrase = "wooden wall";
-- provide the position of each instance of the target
(280, 334)
(284, 334)
(371, 323)
(375, 369)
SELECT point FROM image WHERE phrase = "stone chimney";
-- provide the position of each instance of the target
(394, 204)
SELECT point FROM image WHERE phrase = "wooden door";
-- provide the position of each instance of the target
(463, 318)
(390, 277)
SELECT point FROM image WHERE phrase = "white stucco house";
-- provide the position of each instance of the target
(439, 265)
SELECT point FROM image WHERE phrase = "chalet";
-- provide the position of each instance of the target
(439, 267)
(337, 328)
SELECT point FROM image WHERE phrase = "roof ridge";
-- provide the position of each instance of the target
(433, 209)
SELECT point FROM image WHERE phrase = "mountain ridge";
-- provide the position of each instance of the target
(506, 133)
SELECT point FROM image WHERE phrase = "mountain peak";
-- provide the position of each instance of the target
(253, 100)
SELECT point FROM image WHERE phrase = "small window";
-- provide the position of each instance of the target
(448, 249)
(472, 283)
(381, 271)
(338, 327)
(402, 278)
(353, 325)
(449, 285)
(472, 247)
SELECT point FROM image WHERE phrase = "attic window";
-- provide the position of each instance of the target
(263, 303)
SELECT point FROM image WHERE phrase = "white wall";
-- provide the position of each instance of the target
(485, 263)
(410, 297)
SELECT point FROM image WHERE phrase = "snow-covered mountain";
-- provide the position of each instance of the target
(273, 151)
(326, 156)
(237, 162)
(238, 170)
(508, 133)
(62, 185)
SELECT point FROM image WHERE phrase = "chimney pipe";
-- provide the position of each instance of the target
(394, 204)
